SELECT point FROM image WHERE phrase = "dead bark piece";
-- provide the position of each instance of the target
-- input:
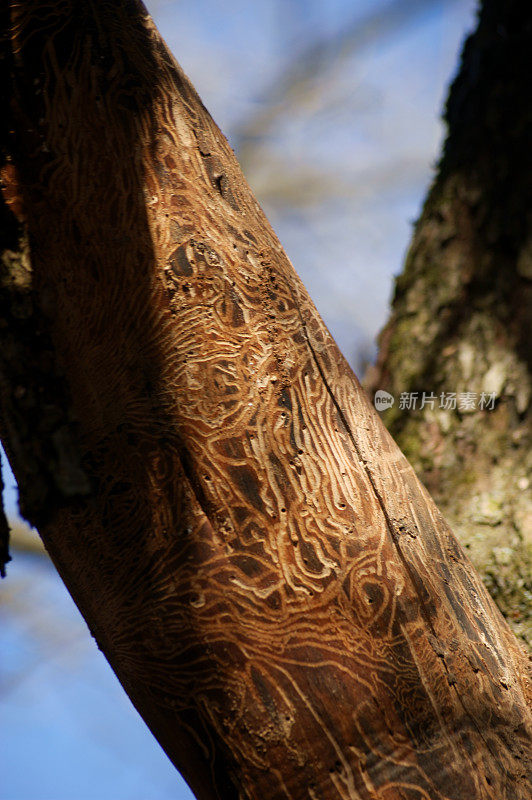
(5, 558)
(273, 587)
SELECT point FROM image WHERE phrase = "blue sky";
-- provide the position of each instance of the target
(353, 161)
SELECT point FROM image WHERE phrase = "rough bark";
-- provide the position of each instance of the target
(272, 585)
(462, 313)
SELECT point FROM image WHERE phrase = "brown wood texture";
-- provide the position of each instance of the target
(273, 587)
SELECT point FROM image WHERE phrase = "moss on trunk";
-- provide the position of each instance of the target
(461, 315)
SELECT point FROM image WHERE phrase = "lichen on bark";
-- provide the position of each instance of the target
(276, 592)
(461, 315)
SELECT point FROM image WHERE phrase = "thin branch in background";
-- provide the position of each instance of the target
(298, 85)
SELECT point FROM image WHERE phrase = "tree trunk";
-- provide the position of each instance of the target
(462, 314)
(271, 584)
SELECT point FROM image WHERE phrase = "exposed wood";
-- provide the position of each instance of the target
(273, 587)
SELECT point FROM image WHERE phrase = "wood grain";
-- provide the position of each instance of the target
(274, 589)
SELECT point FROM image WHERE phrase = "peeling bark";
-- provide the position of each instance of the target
(5, 558)
(271, 584)
(462, 314)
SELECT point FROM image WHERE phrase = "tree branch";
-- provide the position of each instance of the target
(274, 589)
